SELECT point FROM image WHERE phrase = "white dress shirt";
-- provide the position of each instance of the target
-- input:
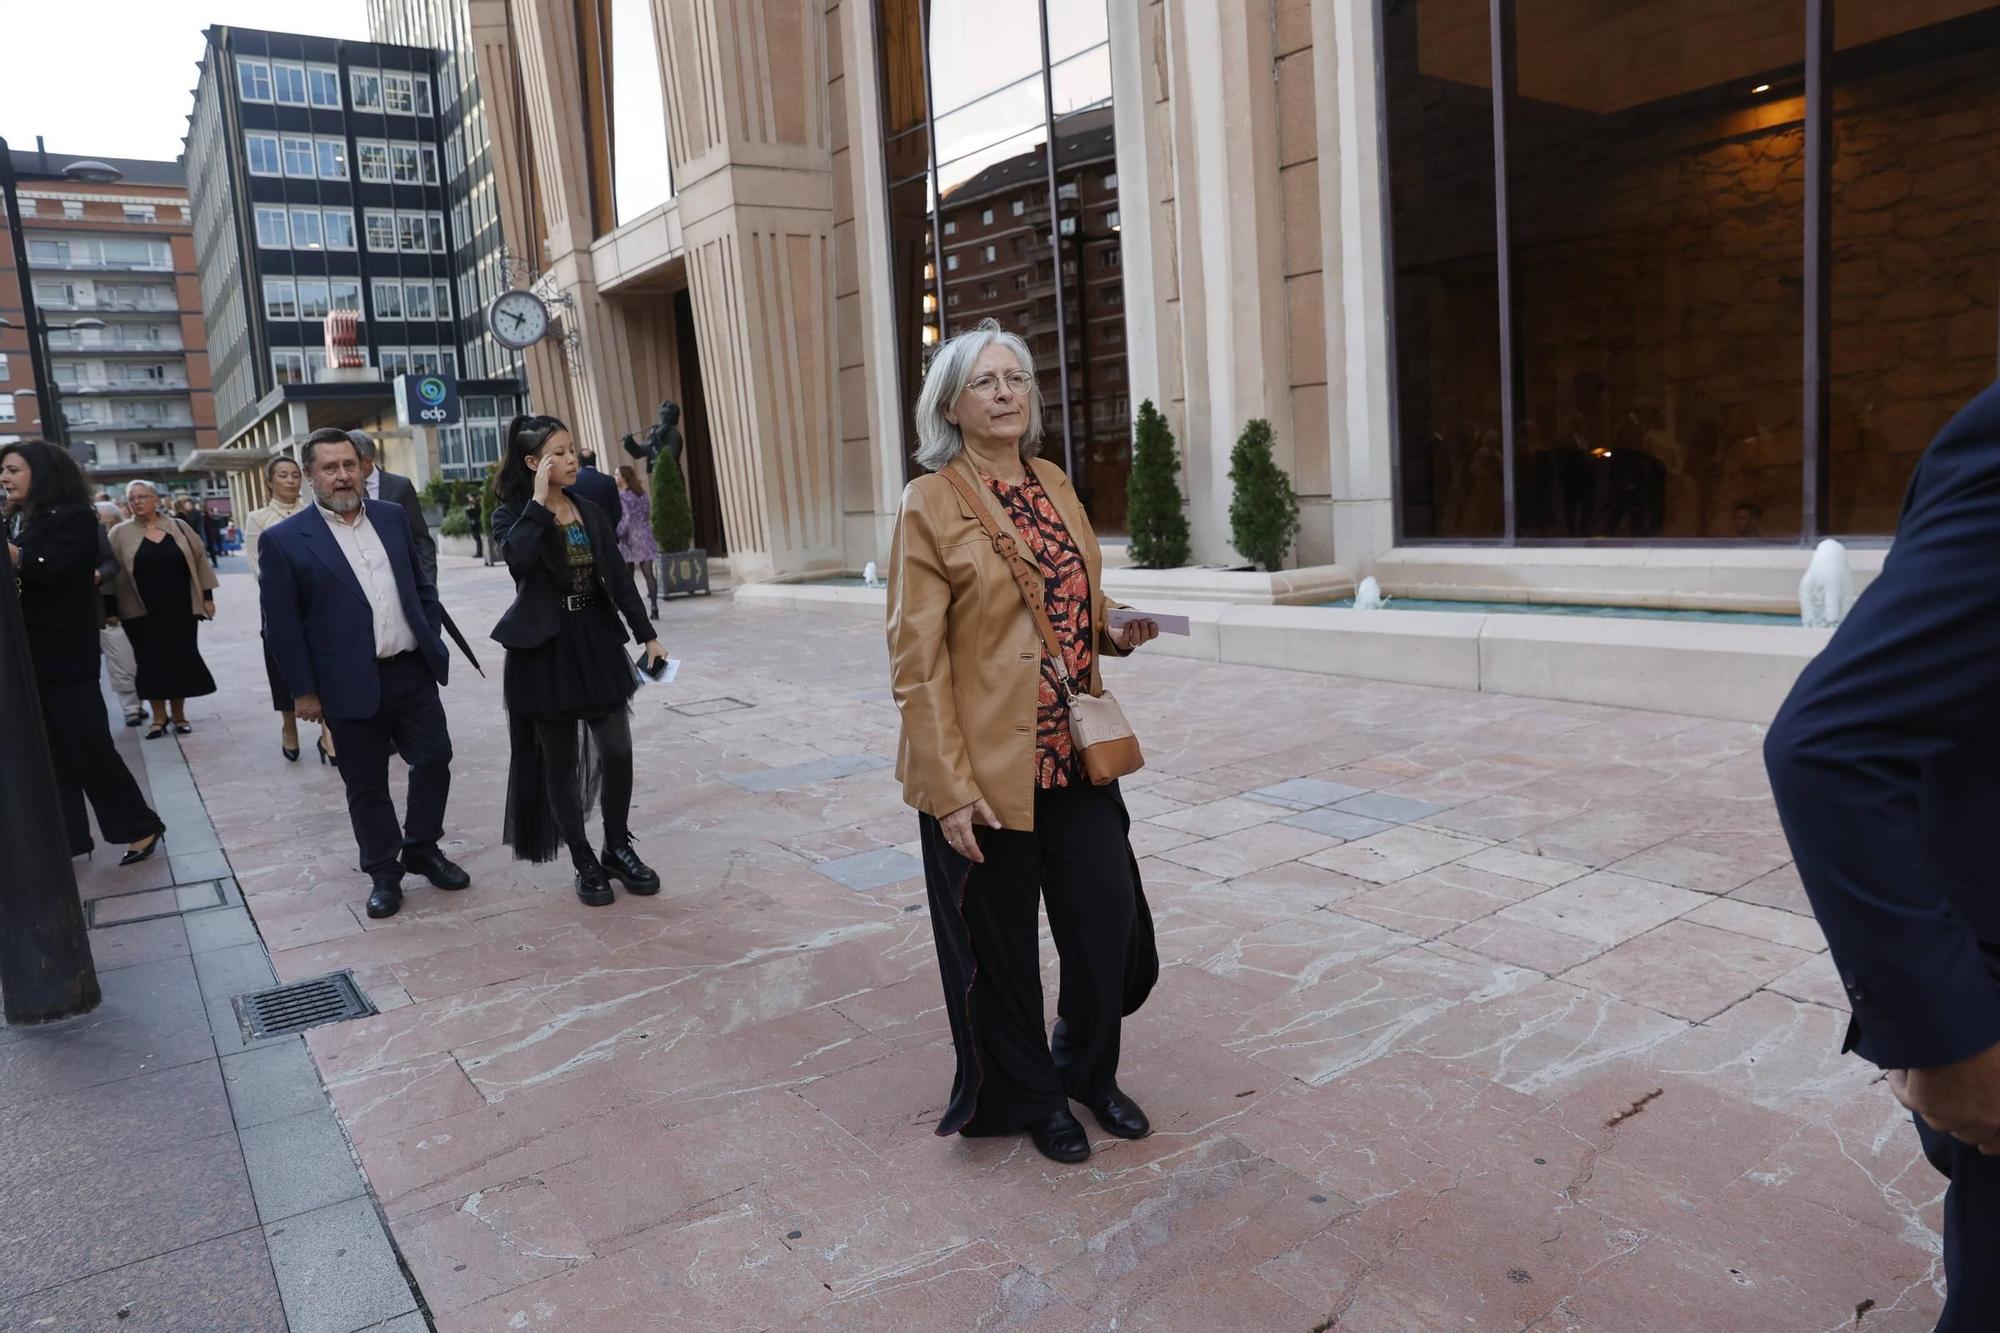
(369, 559)
(374, 483)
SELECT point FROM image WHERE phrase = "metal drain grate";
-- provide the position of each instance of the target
(301, 1005)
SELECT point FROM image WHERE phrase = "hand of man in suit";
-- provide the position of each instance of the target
(1962, 1099)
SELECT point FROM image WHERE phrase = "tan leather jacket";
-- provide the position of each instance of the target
(964, 654)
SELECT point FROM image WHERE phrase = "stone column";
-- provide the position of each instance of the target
(1228, 214)
(1360, 436)
(751, 139)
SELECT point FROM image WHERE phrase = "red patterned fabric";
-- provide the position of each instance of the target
(1066, 598)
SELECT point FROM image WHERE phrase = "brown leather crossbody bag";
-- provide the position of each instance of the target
(1097, 725)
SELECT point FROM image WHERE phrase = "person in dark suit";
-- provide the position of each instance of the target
(52, 549)
(1885, 762)
(351, 618)
(598, 488)
(567, 674)
(397, 489)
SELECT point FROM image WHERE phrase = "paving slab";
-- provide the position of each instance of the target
(1422, 950)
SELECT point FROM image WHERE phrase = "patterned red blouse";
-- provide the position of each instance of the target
(1067, 600)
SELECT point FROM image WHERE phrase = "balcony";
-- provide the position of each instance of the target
(93, 340)
(161, 303)
(135, 388)
(85, 417)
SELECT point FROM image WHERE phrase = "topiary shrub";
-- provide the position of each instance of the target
(1155, 514)
(673, 516)
(487, 499)
(455, 524)
(1264, 512)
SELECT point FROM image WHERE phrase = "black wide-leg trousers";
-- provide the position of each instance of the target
(1971, 1232)
(985, 916)
(88, 766)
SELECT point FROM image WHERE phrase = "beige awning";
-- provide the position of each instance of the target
(225, 460)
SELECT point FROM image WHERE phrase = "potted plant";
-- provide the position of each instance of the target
(1155, 513)
(1264, 512)
(683, 567)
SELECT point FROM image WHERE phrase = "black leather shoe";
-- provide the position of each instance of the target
(1059, 1137)
(387, 899)
(1121, 1115)
(621, 863)
(593, 889)
(432, 865)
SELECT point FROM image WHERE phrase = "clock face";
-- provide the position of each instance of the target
(518, 319)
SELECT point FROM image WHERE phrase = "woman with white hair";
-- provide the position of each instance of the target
(166, 587)
(1007, 813)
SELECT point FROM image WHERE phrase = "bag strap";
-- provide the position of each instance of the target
(1027, 577)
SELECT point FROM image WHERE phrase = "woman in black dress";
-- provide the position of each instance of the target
(166, 587)
(52, 547)
(568, 683)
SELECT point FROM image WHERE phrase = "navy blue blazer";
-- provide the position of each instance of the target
(1885, 762)
(320, 625)
(600, 490)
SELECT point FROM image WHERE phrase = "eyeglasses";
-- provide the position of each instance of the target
(1019, 383)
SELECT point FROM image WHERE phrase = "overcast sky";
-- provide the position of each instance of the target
(112, 78)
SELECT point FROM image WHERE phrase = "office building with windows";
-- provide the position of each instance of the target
(471, 190)
(1687, 290)
(117, 310)
(317, 176)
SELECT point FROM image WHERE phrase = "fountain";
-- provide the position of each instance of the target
(1827, 591)
(1368, 597)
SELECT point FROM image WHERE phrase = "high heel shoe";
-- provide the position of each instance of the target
(325, 756)
(183, 729)
(157, 732)
(134, 855)
(291, 752)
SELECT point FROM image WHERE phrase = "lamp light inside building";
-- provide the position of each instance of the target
(930, 335)
(1761, 88)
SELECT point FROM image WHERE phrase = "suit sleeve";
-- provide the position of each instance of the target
(284, 628)
(1906, 677)
(420, 531)
(107, 562)
(520, 531)
(425, 576)
(939, 775)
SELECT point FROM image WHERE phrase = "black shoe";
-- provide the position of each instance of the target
(592, 888)
(135, 719)
(387, 899)
(157, 732)
(621, 863)
(183, 729)
(291, 752)
(1059, 1137)
(137, 854)
(432, 865)
(1121, 1115)
(325, 756)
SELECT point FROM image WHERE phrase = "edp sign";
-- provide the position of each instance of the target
(427, 400)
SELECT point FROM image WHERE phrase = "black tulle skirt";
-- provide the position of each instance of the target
(579, 675)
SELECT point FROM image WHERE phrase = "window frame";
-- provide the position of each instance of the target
(261, 213)
(318, 225)
(394, 81)
(346, 216)
(380, 309)
(318, 77)
(253, 140)
(290, 67)
(245, 65)
(322, 143)
(359, 77)
(387, 217)
(378, 149)
(283, 294)
(287, 145)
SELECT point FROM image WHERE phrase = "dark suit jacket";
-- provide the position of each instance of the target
(400, 490)
(318, 623)
(532, 545)
(59, 601)
(600, 490)
(1885, 762)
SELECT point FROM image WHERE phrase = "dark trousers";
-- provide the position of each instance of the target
(87, 765)
(409, 720)
(1077, 860)
(564, 772)
(1971, 1232)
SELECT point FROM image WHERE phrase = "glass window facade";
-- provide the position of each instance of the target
(1648, 287)
(1002, 172)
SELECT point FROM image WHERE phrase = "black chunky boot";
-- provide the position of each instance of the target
(593, 889)
(623, 864)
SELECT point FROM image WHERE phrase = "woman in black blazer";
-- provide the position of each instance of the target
(568, 683)
(52, 545)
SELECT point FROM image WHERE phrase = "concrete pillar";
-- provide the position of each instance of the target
(1357, 282)
(1228, 213)
(751, 143)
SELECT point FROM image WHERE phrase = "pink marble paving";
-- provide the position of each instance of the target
(1561, 1055)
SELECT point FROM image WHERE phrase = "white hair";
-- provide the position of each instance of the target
(141, 481)
(939, 442)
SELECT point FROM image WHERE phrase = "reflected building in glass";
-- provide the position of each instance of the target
(1500, 274)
